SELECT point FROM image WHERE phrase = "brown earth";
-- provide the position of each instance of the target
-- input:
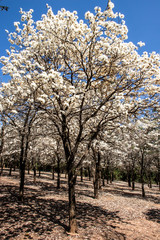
(119, 213)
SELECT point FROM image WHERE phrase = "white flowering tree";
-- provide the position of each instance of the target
(147, 138)
(18, 111)
(139, 142)
(82, 74)
(11, 147)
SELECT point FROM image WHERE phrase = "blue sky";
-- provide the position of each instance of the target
(142, 17)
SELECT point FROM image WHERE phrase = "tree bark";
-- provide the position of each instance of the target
(158, 174)
(133, 174)
(100, 179)
(133, 179)
(22, 170)
(2, 165)
(10, 171)
(81, 174)
(34, 174)
(22, 177)
(150, 179)
(23, 157)
(111, 177)
(28, 170)
(108, 170)
(142, 174)
(72, 202)
(58, 172)
(129, 177)
(103, 177)
(97, 176)
(89, 173)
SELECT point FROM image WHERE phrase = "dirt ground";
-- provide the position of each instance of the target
(118, 214)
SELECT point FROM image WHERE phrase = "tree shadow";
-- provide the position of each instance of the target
(40, 213)
(85, 192)
(153, 215)
(132, 194)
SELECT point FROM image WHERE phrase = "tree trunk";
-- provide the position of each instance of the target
(158, 175)
(89, 173)
(22, 177)
(111, 177)
(150, 180)
(97, 173)
(108, 171)
(34, 174)
(81, 174)
(103, 182)
(96, 187)
(10, 171)
(142, 174)
(23, 157)
(2, 165)
(143, 191)
(72, 202)
(58, 172)
(129, 177)
(1, 146)
(100, 180)
(133, 177)
(103, 179)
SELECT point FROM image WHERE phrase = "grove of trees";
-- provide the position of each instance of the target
(80, 97)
